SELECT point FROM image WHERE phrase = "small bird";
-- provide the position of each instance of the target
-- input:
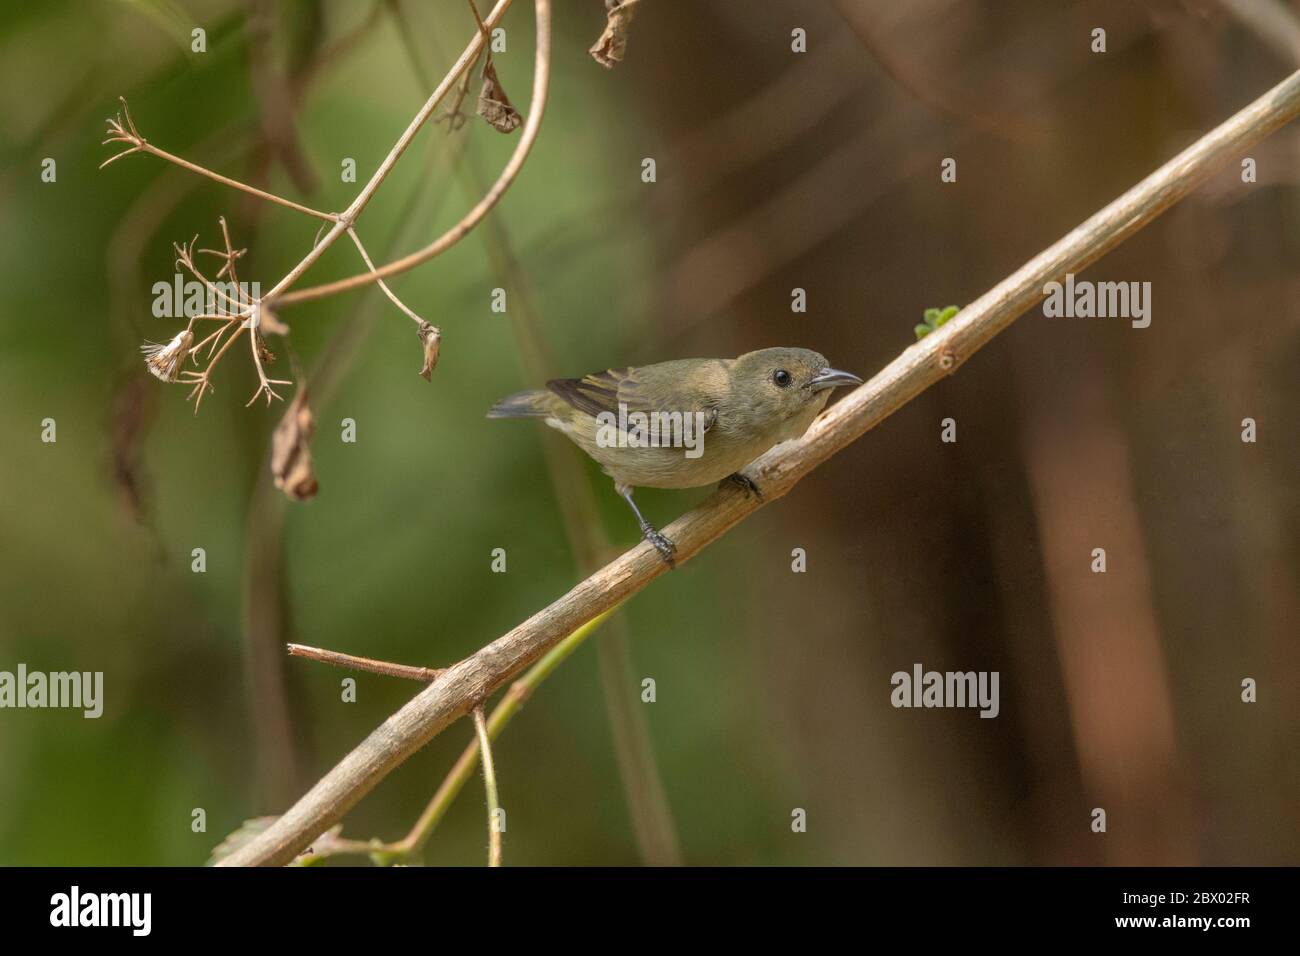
(684, 423)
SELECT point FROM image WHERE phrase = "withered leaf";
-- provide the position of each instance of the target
(493, 104)
(612, 45)
(291, 466)
(263, 353)
(431, 337)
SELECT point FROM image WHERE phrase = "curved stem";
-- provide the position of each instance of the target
(541, 83)
(490, 786)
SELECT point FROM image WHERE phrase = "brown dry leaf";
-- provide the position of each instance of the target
(431, 336)
(264, 353)
(612, 45)
(493, 104)
(291, 466)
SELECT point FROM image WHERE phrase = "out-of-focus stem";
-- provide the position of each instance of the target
(489, 787)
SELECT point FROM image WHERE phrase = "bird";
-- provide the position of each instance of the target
(683, 423)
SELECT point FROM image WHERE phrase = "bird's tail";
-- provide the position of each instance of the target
(531, 404)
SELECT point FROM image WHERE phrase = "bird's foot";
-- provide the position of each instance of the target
(744, 481)
(663, 544)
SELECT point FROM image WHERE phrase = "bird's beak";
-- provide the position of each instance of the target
(832, 378)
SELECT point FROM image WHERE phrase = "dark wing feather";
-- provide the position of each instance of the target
(603, 392)
(593, 394)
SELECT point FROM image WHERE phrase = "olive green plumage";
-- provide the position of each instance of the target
(726, 413)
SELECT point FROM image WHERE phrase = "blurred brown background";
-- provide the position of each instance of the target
(775, 170)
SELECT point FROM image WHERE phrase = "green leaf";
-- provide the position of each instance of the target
(246, 832)
(935, 318)
(945, 315)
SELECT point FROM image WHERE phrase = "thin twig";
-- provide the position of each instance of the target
(122, 130)
(490, 788)
(263, 383)
(348, 217)
(382, 284)
(541, 82)
(236, 184)
(453, 115)
(463, 770)
(185, 257)
(921, 365)
(339, 659)
(202, 381)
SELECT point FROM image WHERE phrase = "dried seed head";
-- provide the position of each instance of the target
(431, 336)
(291, 466)
(493, 104)
(165, 361)
(263, 353)
(612, 45)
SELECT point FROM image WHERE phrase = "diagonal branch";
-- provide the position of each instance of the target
(463, 686)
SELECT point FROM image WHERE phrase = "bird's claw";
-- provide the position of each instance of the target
(749, 485)
(663, 544)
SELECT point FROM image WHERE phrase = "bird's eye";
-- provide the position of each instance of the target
(782, 378)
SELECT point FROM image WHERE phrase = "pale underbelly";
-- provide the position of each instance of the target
(666, 467)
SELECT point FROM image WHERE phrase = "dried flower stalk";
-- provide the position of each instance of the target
(611, 47)
(250, 312)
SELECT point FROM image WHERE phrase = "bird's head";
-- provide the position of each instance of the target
(783, 388)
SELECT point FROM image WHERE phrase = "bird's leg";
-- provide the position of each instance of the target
(662, 544)
(746, 482)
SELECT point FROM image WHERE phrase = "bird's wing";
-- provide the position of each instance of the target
(602, 392)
